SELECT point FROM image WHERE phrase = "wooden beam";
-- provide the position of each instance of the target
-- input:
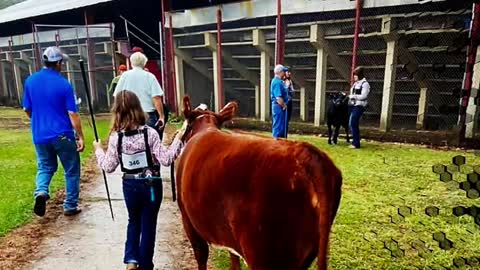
(240, 68)
(260, 43)
(303, 104)
(264, 86)
(3, 80)
(317, 39)
(16, 76)
(180, 82)
(422, 108)
(216, 84)
(70, 71)
(210, 41)
(250, 76)
(199, 67)
(257, 101)
(388, 28)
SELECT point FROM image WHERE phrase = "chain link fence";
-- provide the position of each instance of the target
(93, 44)
(430, 55)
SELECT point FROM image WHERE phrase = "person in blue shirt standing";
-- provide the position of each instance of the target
(49, 102)
(287, 80)
(279, 99)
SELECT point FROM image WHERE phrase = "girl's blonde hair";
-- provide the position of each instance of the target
(127, 113)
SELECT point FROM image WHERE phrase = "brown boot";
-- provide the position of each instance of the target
(132, 266)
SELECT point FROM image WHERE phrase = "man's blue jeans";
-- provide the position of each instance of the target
(142, 221)
(279, 121)
(66, 150)
(356, 113)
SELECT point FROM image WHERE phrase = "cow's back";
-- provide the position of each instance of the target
(258, 196)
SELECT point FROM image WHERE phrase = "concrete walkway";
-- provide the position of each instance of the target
(93, 241)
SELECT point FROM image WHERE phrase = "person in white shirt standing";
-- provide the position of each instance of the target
(358, 102)
(146, 87)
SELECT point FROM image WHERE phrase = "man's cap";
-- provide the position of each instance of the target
(137, 49)
(279, 68)
(54, 54)
(286, 68)
(122, 67)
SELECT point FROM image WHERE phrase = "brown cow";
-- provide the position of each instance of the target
(269, 201)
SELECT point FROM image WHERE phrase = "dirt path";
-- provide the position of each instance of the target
(93, 241)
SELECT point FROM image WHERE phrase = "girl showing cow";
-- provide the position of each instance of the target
(358, 102)
(138, 150)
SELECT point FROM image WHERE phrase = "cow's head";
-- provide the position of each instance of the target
(200, 118)
(338, 98)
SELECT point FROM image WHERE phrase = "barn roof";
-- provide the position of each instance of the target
(34, 8)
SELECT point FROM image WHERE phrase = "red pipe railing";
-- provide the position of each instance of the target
(173, 83)
(219, 59)
(280, 36)
(166, 53)
(355, 39)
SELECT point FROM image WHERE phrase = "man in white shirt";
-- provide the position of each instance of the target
(146, 87)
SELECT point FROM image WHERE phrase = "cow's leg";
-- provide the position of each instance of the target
(335, 134)
(325, 225)
(234, 262)
(346, 131)
(329, 133)
(308, 261)
(199, 245)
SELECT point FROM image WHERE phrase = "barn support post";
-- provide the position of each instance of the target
(260, 43)
(3, 81)
(467, 92)
(318, 41)
(211, 44)
(70, 70)
(358, 13)
(388, 26)
(257, 101)
(473, 108)
(219, 100)
(173, 86)
(35, 48)
(303, 104)
(180, 82)
(422, 108)
(320, 87)
(16, 71)
(114, 52)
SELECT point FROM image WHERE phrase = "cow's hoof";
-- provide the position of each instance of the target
(329, 142)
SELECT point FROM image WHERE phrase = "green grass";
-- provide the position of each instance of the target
(379, 179)
(18, 169)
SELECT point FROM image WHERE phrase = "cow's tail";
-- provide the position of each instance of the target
(330, 183)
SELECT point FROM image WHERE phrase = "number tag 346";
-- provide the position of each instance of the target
(135, 161)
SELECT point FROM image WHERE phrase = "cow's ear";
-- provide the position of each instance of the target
(228, 112)
(187, 107)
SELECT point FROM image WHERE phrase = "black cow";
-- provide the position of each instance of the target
(337, 115)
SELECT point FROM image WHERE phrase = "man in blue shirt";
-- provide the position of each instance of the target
(49, 101)
(279, 99)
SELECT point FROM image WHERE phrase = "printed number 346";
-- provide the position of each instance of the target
(134, 162)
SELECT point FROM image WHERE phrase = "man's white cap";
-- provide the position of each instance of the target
(279, 68)
(202, 107)
(54, 54)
